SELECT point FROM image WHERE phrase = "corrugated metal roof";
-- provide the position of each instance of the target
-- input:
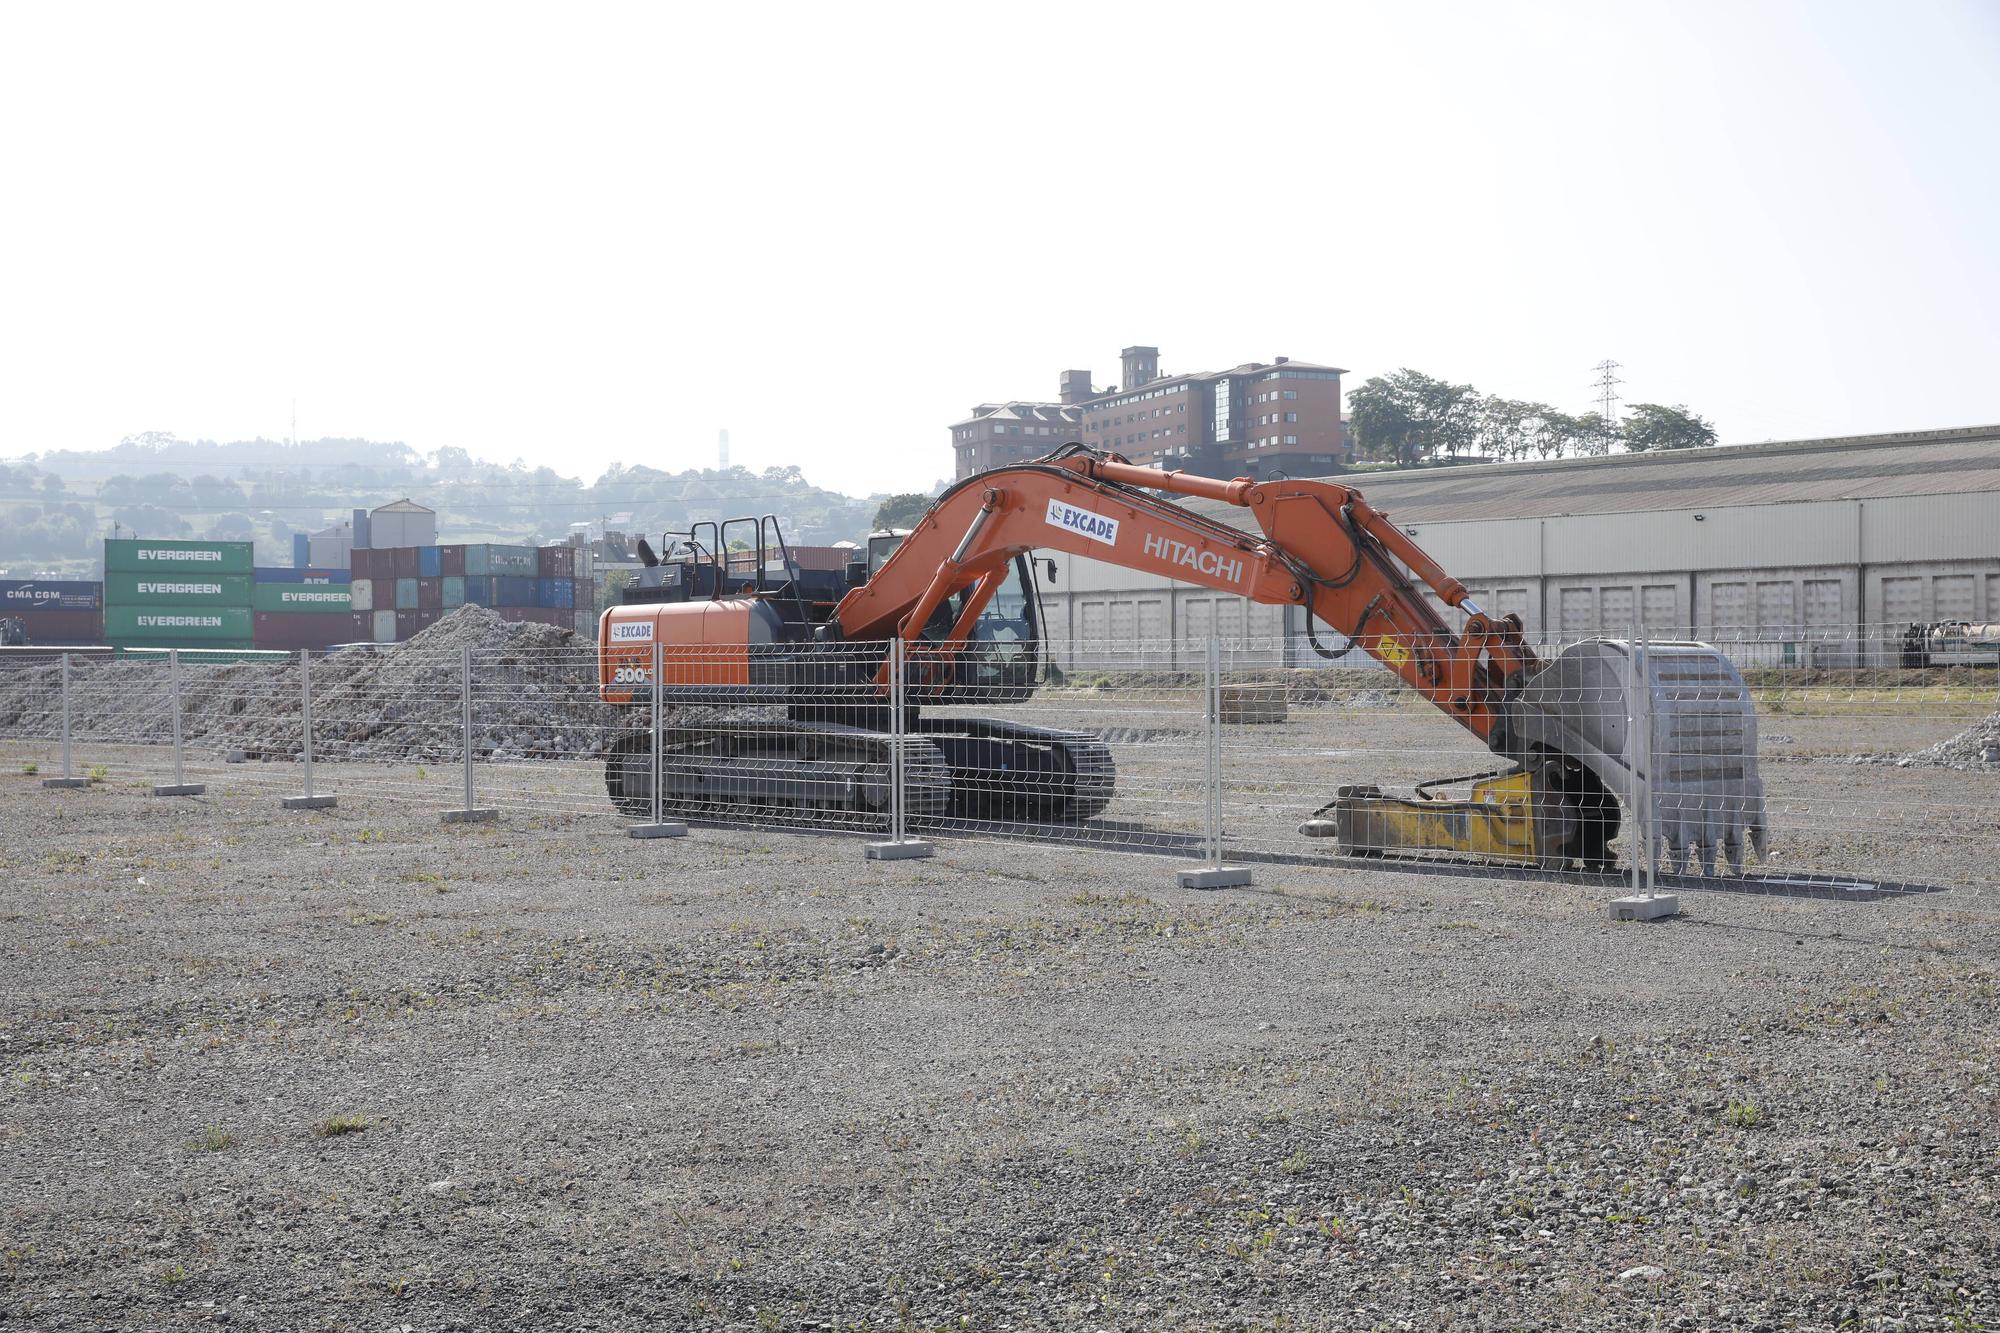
(1860, 467)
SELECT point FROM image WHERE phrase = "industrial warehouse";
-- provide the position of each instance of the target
(1820, 552)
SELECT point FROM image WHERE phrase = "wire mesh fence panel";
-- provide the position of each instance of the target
(1109, 752)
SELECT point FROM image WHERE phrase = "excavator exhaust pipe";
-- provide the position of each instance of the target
(1696, 747)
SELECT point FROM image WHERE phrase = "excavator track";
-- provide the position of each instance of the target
(774, 769)
(839, 775)
(1010, 769)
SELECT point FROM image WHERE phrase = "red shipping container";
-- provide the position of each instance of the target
(556, 562)
(62, 627)
(289, 632)
(451, 561)
(361, 562)
(430, 594)
(404, 560)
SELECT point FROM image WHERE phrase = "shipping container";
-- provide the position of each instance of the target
(501, 560)
(430, 594)
(403, 559)
(383, 626)
(366, 563)
(18, 595)
(186, 624)
(148, 556)
(479, 591)
(556, 562)
(556, 593)
(451, 590)
(282, 575)
(276, 629)
(361, 595)
(175, 589)
(451, 561)
(47, 626)
(411, 623)
(512, 590)
(301, 550)
(303, 598)
(406, 593)
(429, 565)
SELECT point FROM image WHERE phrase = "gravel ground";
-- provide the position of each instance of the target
(356, 1070)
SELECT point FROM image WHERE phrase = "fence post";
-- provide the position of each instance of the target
(307, 800)
(180, 786)
(656, 827)
(68, 779)
(1214, 875)
(471, 813)
(900, 847)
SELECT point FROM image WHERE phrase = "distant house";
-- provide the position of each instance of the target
(402, 523)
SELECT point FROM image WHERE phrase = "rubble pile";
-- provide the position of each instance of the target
(534, 696)
(1975, 748)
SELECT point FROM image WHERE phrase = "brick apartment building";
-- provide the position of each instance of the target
(1252, 420)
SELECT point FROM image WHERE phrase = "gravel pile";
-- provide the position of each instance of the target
(1974, 749)
(535, 697)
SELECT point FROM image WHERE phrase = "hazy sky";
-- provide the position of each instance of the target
(585, 233)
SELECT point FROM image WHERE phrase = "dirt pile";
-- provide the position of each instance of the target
(1975, 748)
(534, 696)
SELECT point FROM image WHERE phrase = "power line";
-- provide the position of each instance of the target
(1607, 392)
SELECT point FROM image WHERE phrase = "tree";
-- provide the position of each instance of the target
(1651, 427)
(1407, 416)
(902, 511)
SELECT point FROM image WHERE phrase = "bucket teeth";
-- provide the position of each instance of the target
(1698, 755)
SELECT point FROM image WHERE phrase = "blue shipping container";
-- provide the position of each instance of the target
(429, 564)
(406, 594)
(479, 591)
(452, 586)
(49, 595)
(513, 590)
(301, 550)
(305, 575)
(555, 594)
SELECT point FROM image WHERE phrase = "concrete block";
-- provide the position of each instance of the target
(657, 831)
(1215, 877)
(910, 849)
(236, 757)
(483, 815)
(1645, 907)
(185, 789)
(1253, 703)
(65, 782)
(308, 802)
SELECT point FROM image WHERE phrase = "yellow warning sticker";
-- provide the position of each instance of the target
(1392, 651)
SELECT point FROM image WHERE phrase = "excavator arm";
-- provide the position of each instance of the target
(1325, 548)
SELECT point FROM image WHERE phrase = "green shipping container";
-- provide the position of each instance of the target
(165, 557)
(158, 587)
(453, 591)
(303, 597)
(143, 624)
(516, 560)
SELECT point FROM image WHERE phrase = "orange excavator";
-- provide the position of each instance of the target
(738, 628)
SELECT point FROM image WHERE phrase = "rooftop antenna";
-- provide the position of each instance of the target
(722, 449)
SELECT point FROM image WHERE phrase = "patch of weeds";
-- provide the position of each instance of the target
(1294, 1165)
(212, 1139)
(174, 1274)
(97, 772)
(31, 768)
(336, 1125)
(1743, 1115)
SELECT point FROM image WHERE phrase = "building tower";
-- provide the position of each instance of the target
(1142, 366)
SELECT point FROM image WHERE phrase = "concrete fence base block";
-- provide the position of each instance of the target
(484, 815)
(308, 802)
(910, 849)
(1215, 877)
(65, 782)
(236, 757)
(657, 831)
(184, 789)
(1645, 907)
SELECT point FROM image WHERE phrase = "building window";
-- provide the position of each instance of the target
(1291, 418)
(1291, 439)
(1291, 393)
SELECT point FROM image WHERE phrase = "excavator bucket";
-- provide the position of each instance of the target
(1698, 756)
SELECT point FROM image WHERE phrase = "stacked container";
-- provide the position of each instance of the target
(399, 592)
(177, 594)
(304, 608)
(55, 611)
